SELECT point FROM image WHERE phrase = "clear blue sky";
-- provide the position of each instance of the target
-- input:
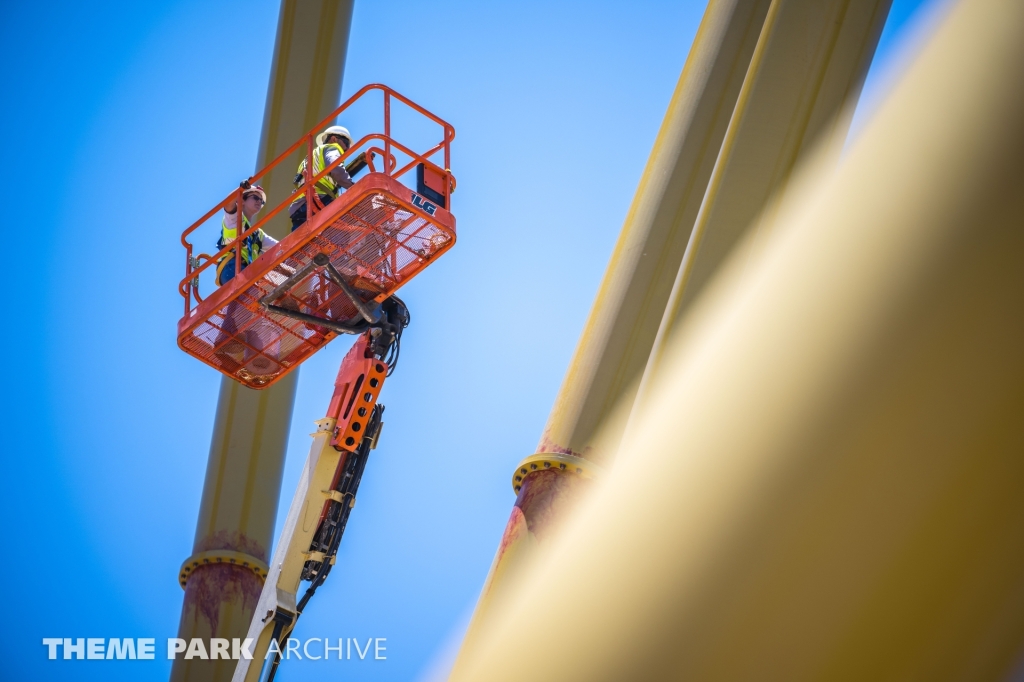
(118, 131)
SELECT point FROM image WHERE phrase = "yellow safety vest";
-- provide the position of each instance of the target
(326, 184)
(252, 246)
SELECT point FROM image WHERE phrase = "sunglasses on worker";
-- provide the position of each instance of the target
(338, 139)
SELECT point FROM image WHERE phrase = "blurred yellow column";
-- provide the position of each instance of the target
(617, 339)
(828, 482)
(799, 62)
(224, 576)
(800, 92)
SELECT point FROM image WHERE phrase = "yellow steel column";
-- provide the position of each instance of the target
(224, 576)
(803, 81)
(827, 483)
(616, 341)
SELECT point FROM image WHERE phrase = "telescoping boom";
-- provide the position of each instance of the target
(335, 273)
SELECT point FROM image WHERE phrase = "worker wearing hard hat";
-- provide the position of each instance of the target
(331, 145)
(253, 200)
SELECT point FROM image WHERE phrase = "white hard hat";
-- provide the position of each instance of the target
(334, 130)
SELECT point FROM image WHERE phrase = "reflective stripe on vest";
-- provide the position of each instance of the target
(326, 184)
(252, 246)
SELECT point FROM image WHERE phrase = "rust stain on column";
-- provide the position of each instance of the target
(243, 476)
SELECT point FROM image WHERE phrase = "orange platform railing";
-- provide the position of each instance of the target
(377, 235)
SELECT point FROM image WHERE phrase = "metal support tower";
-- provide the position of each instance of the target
(799, 95)
(616, 341)
(826, 484)
(224, 576)
(781, 77)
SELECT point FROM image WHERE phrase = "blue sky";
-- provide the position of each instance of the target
(124, 122)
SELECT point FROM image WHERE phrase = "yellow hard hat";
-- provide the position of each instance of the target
(334, 130)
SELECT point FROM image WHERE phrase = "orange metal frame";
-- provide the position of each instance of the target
(356, 388)
(404, 231)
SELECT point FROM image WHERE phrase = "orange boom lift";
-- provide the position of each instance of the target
(336, 274)
(330, 276)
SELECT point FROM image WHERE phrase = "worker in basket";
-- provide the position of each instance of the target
(253, 200)
(331, 145)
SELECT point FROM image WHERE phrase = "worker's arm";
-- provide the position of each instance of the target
(338, 174)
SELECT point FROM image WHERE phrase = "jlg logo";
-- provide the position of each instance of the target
(421, 203)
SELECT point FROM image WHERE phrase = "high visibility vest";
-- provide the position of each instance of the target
(326, 184)
(252, 246)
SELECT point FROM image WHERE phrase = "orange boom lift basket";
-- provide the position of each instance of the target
(322, 278)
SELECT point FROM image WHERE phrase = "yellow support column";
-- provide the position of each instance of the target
(827, 483)
(616, 342)
(800, 62)
(224, 576)
(803, 83)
